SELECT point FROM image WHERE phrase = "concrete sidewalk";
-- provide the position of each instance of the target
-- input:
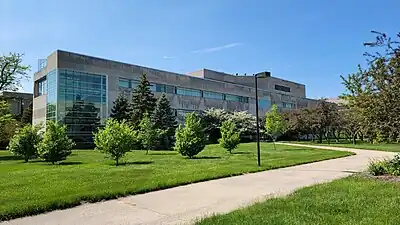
(182, 205)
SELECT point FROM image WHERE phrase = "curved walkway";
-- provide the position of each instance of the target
(181, 205)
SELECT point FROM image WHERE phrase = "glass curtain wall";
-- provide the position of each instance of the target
(81, 103)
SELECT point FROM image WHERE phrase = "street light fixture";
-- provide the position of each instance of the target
(259, 75)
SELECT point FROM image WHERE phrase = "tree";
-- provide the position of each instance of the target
(12, 71)
(55, 145)
(24, 142)
(116, 139)
(245, 122)
(121, 108)
(230, 138)
(8, 124)
(143, 101)
(27, 114)
(148, 134)
(374, 93)
(275, 125)
(212, 119)
(164, 118)
(190, 140)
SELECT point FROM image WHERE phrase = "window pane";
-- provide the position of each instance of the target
(188, 92)
(213, 95)
(124, 83)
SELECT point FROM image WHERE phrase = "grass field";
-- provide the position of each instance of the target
(359, 145)
(36, 187)
(353, 200)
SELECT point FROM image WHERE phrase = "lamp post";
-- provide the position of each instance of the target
(256, 76)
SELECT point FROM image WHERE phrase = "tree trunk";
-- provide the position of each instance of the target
(147, 151)
(354, 138)
(52, 162)
(26, 159)
(116, 161)
(320, 137)
(273, 141)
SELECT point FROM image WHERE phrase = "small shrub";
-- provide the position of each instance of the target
(230, 138)
(115, 139)
(149, 136)
(55, 145)
(378, 167)
(385, 166)
(24, 142)
(190, 140)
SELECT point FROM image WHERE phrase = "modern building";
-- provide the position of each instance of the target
(79, 90)
(18, 101)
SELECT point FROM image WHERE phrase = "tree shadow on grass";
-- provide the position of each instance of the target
(10, 157)
(163, 153)
(241, 153)
(135, 163)
(69, 163)
(206, 157)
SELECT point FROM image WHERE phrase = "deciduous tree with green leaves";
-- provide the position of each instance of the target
(27, 114)
(8, 124)
(121, 108)
(164, 118)
(190, 139)
(143, 101)
(148, 134)
(55, 145)
(275, 124)
(25, 142)
(230, 137)
(12, 71)
(116, 139)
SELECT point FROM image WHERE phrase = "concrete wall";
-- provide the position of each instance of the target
(39, 109)
(212, 81)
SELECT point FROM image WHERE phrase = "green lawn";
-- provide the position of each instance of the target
(352, 200)
(35, 187)
(359, 145)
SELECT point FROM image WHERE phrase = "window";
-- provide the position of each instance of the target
(125, 83)
(236, 98)
(42, 87)
(282, 88)
(169, 89)
(213, 95)
(287, 105)
(188, 92)
(264, 104)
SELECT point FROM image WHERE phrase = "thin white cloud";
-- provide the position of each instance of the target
(219, 48)
(169, 57)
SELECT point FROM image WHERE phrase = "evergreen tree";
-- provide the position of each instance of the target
(164, 119)
(121, 108)
(143, 101)
(27, 114)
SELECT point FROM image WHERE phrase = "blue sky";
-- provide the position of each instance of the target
(308, 41)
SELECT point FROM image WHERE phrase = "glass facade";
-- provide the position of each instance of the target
(125, 83)
(264, 103)
(188, 92)
(236, 98)
(213, 95)
(51, 106)
(76, 99)
(81, 103)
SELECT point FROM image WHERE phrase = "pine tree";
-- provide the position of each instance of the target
(121, 108)
(164, 118)
(27, 114)
(143, 101)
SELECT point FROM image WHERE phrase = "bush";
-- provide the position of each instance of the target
(385, 167)
(55, 145)
(116, 139)
(230, 138)
(24, 142)
(190, 140)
